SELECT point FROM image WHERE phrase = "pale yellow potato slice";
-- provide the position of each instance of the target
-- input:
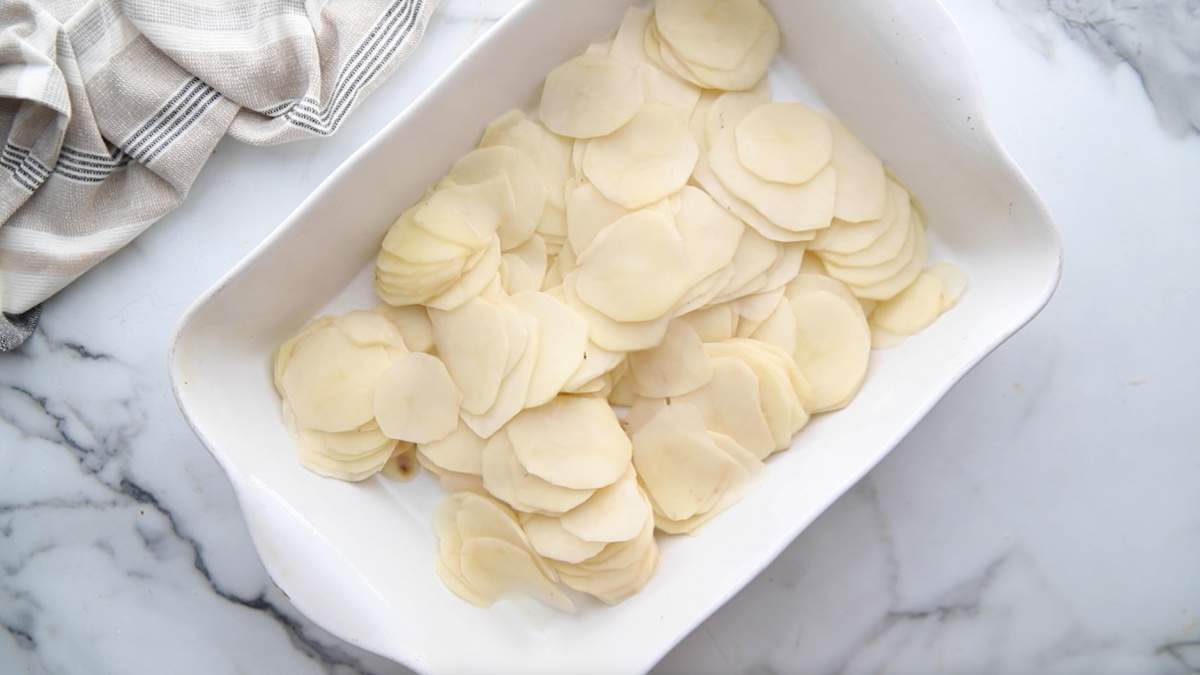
(532, 256)
(645, 571)
(472, 341)
(862, 185)
(495, 569)
(352, 470)
(913, 309)
(553, 227)
(528, 188)
(510, 399)
(704, 291)
(954, 283)
(589, 212)
(806, 281)
(661, 55)
(757, 308)
(413, 324)
(562, 342)
(746, 75)
(550, 152)
(730, 404)
(660, 87)
(415, 399)
(636, 269)
(729, 109)
(571, 441)
(614, 513)
(792, 207)
(710, 234)
(455, 583)
(614, 586)
(478, 516)
(682, 470)
(845, 238)
(596, 362)
(623, 392)
(343, 445)
(517, 328)
(886, 249)
(468, 215)
(714, 33)
(461, 451)
(674, 367)
(755, 255)
(472, 282)
(368, 329)
(590, 95)
(330, 383)
(615, 336)
(751, 468)
(779, 394)
(703, 176)
(552, 541)
(715, 323)
(283, 355)
(403, 465)
(508, 481)
(786, 267)
(867, 275)
(413, 244)
(890, 287)
(784, 142)
(833, 347)
(616, 556)
(645, 161)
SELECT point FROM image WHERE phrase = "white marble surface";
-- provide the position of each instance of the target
(1044, 518)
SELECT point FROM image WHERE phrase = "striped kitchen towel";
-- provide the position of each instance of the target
(109, 109)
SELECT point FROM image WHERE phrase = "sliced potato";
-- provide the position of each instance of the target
(862, 185)
(590, 95)
(635, 270)
(550, 152)
(494, 569)
(647, 160)
(472, 341)
(954, 283)
(616, 512)
(597, 361)
(889, 287)
(552, 541)
(833, 347)
(472, 282)
(529, 192)
(461, 451)
(710, 234)
(415, 399)
(571, 441)
(714, 33)
(784, 143)
(330, 383)
(847, 239)
(730, 404)
(683, 471)
(675, 367)
(510, 398)
(562, 343)
(468, 215)
(413, 324)
(715, 323)
(913, 309)
(884, 250)
(748, 73)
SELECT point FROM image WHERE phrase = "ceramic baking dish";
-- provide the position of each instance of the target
(359, 559)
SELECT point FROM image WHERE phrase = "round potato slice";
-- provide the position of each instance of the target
(862, 185)
(468, 215)
(818, 282)
(730, 404)
(615, 336)
(885, 249)
(562, 342)
(532, 256)
(954, 283)
(572, 442)
(368, 329)
(746, 75)
(343, 445)
(784, 143)
(705, 178)
(635, 270)
(413, 324)
(833, 347)
(730, 108)
(715, 323)
(714, 33)
(552, 541)
(472, 341)
(710, 234)
(755, 255)
(793, 207)
(550, 152)
(848, 239)
(510, 398)
(590, 95)
(616, 512)
(484, 165)
(284, 354)
(473, 281)
(890, 287)
(675, 367)
(616, 556)
(495, 569)
(779, 329)
(913, 309)
(683, 470)
(461, 451)
(352, 470)
(647, 160)
(596, 362)
(330, 383)
(415, 399)
(508, 481)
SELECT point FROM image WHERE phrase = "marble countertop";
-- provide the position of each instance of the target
(1045, 517)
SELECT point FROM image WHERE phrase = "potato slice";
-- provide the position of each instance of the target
(664, 58)
(819, 282)
(755, 255)
(508, 481)
(590, 95)
(616, 556)
(529, 193)
(596, 362)
(550, 152)
(562, 342)
(781, 388)
(495, 569)
(645, 161)
(552, 541)
(793, 207)
(403, 465)
(714, 33)
(748, 73)
(729, 109)
(884, 250)
(715, 323)
(413, 324)
(468, 215)
(785, 268)
(283, 355)
(675, 367)
(472, 341)
(589, 212)
(683, 471)
(862, 185)
(784, 143)
(954, 283)
(461, 451)
(623, 392)
(730, 404)
(705, 178)
(866, 275)
(616, 336)
(913, 309)
(779, 329)
(572, 442)
(616, 512)
(415, 399)
(342, 445)
(510, 399)
(532, 257)
(477, 516)
(330, 383)
(751, 468)
(472, 282)
(368, 329)
(614, 586)
(635, 270)
(833, 347)
(710, 234)
(754, 309)
(888, 288)
(352, 470)
(844, 238)
(704, 291)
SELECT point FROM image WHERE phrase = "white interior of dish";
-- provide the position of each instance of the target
(358, 558)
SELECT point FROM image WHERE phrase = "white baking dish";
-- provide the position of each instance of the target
(358, 559)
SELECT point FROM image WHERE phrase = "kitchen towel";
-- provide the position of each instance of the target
(110, 108)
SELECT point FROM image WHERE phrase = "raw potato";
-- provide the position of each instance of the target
(913, 309)
(647, 160)
(682, 468)
(562, 341)
(461, 451)
(551, 540)
(714, 33)
(615, 513)
(678, 365)
(635, 270)
(862, 184)
(550, 152)
(846, 238)
(710, 234)
(469, 214)
(833, 345)
(572, 442)
(510, 398)
(954, 283)
(748, 73)
(609, 334)
(415, 399)
(731, 405)
(527, 187)
(495, 568)
(473, 343)
(784, 143)
(590, 95)
(413, 324)
(330, 382)
(472, 282)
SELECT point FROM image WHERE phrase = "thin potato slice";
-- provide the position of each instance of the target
(913, 309)
(413, 244)
(368, 329)
(495, 569)
(589, 96)
(352, 470)
(890, 287)
(616, 556)
(550, 152)
(478, 516)
(730, 108)
(747, 74)
(596, 362)
(283, 355)
(472, 282)
(757, 308)
(472, 341)
(848, 239)
(705, 178)
(714, 33)
(508, 481)
(532, 255)
(833, 347)
(872, 274)
(468, 215)
(571, 441)
(461, 451)
(954, 283)
(704, 291)
(413, 324)
(552, 541)
(784, 143)
(611, 335)
(884, 250)
(683, 471)
(589, 212)
(510, 399)
(343, 445)
(647, 160)
(818, 282)
(793, 207)
(862, 184)
(715, 323)
(661, 55)
(615, 513)
(635, 270)
(415, 399)
(676, 366)
(754, 256)
(330, 383)
(562, 342)
(484, 165)
(751, 468)
(730, 404)
(710, 234)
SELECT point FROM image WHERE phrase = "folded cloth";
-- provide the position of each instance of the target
(109, 109)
